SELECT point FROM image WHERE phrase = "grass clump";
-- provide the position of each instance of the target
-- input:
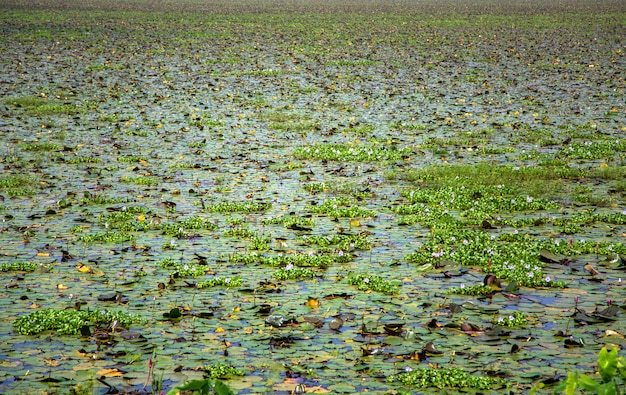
(69, 322)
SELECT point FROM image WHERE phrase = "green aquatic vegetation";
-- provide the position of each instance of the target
(374, 282)
(184, 166)
(132, 158)
(81, 159)
(343, 242)
(353, 63)
(37, 106)
(217, 281)
(296, 126)
(590, 150)
(238, 207)
(39, 146)
(486, 198)
(131, 219)
(296, 259)
(317, 187)
(291, 221)
(342, 208)
(181, 270)
(516, 319)
(240, 232)
(21, 266)
(260, 243)
(222, 370)
(612, 370)
(140, 180)
(197, 144)
(337, 152)
(510, 256)
(15, 181)
(290, 272)
(181, 228)
(102, 67)
(446, 378)
(91, 200)
(201, 387)
(360, 130)
(107, 237)
(475, 290)
(70, 322)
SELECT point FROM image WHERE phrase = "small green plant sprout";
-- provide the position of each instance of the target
(202, 387)
(228, 282)
(290, 272)
(367, 282)
(516, 319)
(446, 378)
(612, 371)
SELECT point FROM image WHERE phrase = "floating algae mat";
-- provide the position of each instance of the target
(330, 197)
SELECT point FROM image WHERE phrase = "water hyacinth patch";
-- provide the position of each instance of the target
(296, 259)
(238, 207)
(21, 266)
(474, 290)
(222, 370)
(446, 378)
(515, 319)
(337, 152)
(366, 282)
(179, 269)
(69, 322)
(290, 272)
(228, 282)
(342, 208)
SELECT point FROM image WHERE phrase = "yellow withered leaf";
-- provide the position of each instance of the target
(109, 373)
